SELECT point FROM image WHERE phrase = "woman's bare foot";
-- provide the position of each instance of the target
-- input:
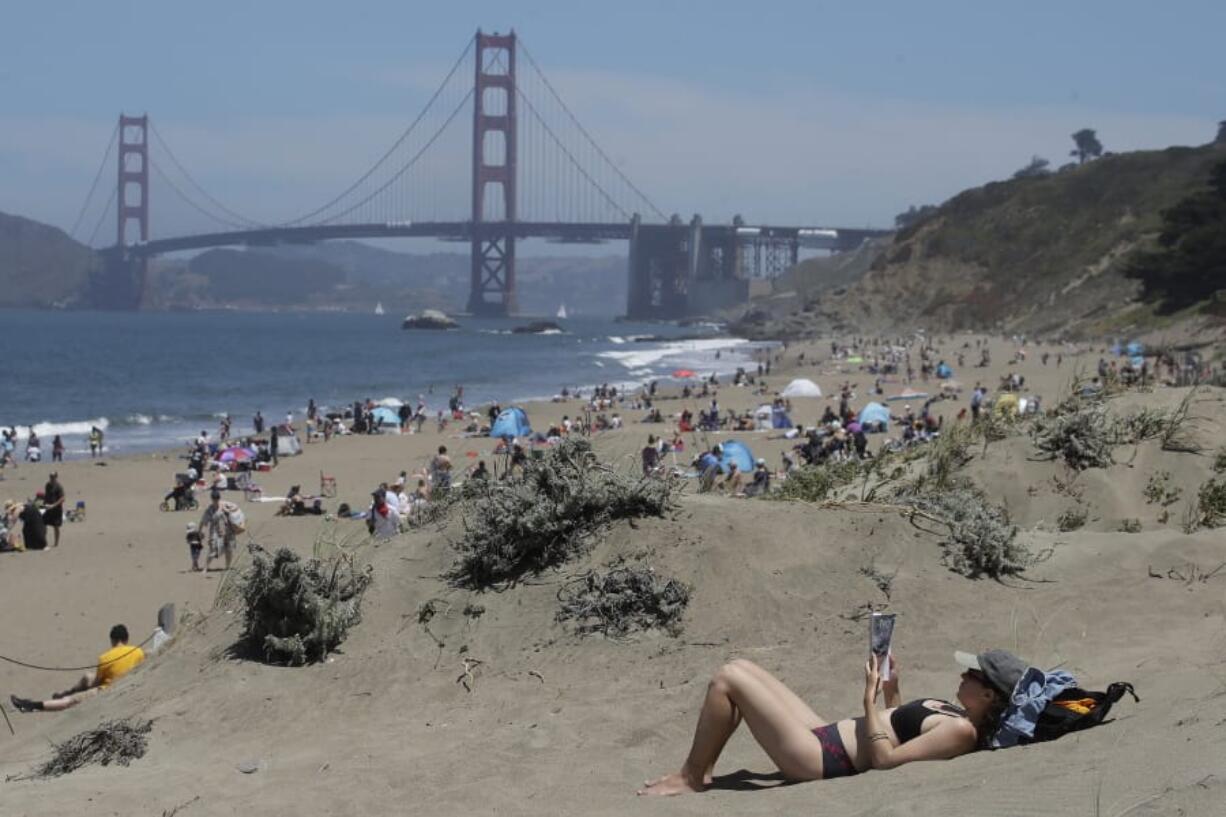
(670, 784)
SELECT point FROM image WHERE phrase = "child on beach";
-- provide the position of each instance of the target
(195, 544)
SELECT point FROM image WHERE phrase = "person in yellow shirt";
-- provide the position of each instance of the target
(113, 664)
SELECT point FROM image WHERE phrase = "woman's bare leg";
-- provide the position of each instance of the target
(734, 693)
(787, 697)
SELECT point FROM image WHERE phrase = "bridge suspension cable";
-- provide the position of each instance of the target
(412, 161)
(395, 145)
(161, 174)
(93, 187)
(243, 221)
(592, 142)
(575, 162)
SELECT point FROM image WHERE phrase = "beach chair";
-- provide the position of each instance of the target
(327, 485)
(76, 514)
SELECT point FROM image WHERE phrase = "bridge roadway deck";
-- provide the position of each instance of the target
(816, 237)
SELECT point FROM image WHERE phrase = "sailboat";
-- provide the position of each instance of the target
(562, 312)
(379, 308)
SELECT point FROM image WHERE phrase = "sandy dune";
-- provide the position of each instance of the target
(555, 724)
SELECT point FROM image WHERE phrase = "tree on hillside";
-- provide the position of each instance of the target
(1221, 133)
(913, 215)
(1190, 262)
(1088, 146)
(1037, 168)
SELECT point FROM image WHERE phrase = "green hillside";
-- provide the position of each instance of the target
(1043, 255)
(40, 266)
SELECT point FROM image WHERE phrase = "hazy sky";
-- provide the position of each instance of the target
(788, 112)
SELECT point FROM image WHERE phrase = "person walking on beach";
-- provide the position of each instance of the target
(272, 446)
(440, 469)
(53, 513)
(95, 441)
(217, 528)
(57, 449)
(13, 540)
(113, 664)
(33, 446)
(383, 520)
(257, 422)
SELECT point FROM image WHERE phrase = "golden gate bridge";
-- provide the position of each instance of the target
(534, 171)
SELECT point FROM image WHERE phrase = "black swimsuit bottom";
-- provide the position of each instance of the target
(907, 722)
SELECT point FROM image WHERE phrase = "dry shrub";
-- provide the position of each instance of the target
(1083, 438)
(518, 527)
(623, 599)
(1072, 519)
(947, 454)
(297, 610)
(119, 741)
(981, 540)
(815, 483)
(1211, 504)
(1159, 490)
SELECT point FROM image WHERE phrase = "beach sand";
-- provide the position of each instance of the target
(556, 724)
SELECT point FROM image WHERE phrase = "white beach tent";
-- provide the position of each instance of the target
(762, 417)
(802, 387)
(288, 445)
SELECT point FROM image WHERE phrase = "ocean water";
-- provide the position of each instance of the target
(154, 380)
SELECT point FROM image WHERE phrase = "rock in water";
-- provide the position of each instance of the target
(429, 319)
(537, 328)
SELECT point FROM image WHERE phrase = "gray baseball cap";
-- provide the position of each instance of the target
(1003, 669)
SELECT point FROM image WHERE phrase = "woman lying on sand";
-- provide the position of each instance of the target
(806, 747)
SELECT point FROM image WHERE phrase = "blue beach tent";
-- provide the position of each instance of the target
(511, 422)
(874, 413)
(386, 416)
(738, 452)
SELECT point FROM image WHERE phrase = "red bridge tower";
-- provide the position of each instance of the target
(494, 172)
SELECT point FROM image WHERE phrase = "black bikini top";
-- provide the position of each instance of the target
(908, 719)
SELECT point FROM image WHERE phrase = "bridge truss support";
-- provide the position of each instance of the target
(679, 270)
(493, 173)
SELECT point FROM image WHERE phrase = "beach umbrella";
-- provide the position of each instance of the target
(683, 372)
(236, 454)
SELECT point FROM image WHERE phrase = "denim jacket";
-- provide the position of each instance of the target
(1030, 697)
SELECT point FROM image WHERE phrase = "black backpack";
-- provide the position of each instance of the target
(1057, 721)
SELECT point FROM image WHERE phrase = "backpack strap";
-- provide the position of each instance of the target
(1111, 697)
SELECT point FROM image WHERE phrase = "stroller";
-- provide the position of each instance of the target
(181, 498)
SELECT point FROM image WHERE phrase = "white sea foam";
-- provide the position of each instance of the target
(50, 429)
(140, 419)
(695, 352)
(616, 339)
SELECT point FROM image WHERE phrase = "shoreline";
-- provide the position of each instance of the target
(627, 363)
